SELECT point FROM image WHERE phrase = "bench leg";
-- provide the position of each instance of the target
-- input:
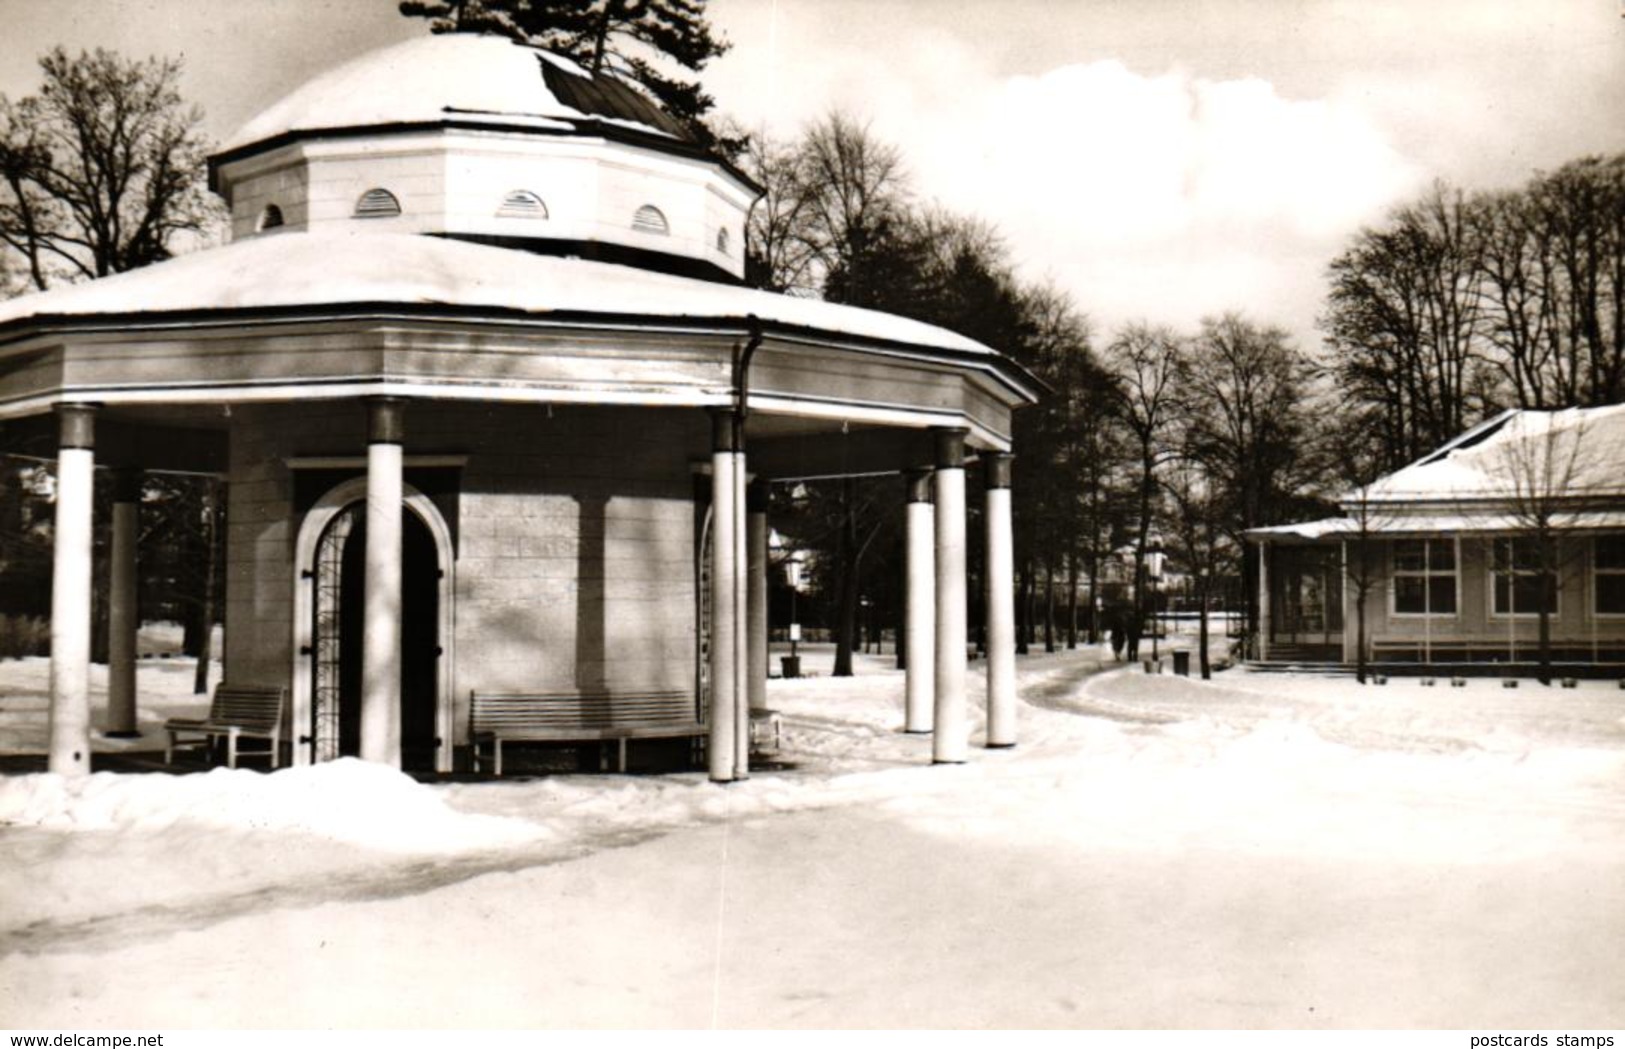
(231, 749)
(496, 759)
(620, 747)
(169, 747)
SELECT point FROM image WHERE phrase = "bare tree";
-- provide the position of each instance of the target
(1146, 361)
(1550, 472)
(102, 170)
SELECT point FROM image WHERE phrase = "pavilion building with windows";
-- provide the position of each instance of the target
(1457, 554)
(495, 411)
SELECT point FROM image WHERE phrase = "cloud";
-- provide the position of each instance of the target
(1163, 196)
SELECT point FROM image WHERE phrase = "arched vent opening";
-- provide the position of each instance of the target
(723, 241)
(270, 218)
(650, 220)
(377, 204)
(522, 204)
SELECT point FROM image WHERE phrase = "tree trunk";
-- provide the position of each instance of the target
(1072, 600)
(1049, 606)
(1023, 607)
(205, 649)
(1207, 667)
(846, 613)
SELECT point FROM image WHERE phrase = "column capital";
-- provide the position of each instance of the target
(918, 484)
(950, 443)
(725, 431)
(76, 425)
(757, 496)
(127, 484)
(386, 420)
(996, 469)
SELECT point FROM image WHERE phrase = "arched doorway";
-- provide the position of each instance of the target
(339, 576)
(329, 581)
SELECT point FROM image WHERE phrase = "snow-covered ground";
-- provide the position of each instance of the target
(1255, 851)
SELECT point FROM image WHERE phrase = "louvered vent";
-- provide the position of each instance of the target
(522, 204)
(377, 204)
(722, 240)
(649, 220)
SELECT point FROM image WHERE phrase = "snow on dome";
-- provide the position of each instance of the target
(329, 268)
(434, 78)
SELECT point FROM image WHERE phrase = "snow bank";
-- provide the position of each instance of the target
(344, 801)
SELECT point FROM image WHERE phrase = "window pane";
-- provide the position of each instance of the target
(1409, 555)
(1442, 555)
(1442, 589)
(1410, 594)
(1611, 594)
(1611, 551)
(1526, 597)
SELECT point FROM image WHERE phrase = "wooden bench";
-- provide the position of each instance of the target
(237, 714)
(500, 718)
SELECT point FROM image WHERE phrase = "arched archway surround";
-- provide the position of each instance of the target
(304, 612)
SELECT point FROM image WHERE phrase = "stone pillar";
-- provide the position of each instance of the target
(724, 712)
(742, 625)
(381, 640)
(919, 631)
(948, 743)
(756, 527)
(69, 752)
(1263, 599)
(1001, 604)
(123, 617)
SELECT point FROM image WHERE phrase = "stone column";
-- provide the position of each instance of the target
(381, 640)
(1001, 605)
(123, 618)
(919, 631)
(1263, 599)
(742, 624)
(724, 712)
(69, 752)
(756, 527)
(948, 743)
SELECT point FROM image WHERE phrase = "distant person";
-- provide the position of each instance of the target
(1133, 638)
(1117, 639)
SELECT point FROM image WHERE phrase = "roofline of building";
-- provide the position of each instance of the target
(1026, 386)
(578, 127)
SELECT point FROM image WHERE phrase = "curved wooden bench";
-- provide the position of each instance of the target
(500, 718)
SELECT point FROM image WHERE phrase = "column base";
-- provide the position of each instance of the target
(947, 761)
(916, 732)
(998, 746)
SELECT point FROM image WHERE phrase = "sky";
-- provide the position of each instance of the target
(1159, 160)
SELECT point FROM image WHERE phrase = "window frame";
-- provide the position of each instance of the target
(1596, 572)
(1491, 591)
(1426, 573)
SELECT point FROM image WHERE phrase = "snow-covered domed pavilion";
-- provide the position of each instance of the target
(482, 314)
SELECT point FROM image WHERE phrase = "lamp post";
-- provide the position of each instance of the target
(792, 568)
(1153, 567)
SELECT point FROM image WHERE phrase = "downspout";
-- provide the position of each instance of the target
(741, 378)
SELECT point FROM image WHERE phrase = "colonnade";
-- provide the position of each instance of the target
(935, 635)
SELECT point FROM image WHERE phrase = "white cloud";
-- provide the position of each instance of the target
(1160, 196)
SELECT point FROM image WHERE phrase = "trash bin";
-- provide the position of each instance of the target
(791, 665)
(1182, 662)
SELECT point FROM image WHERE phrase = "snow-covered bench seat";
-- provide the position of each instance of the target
(500, 718)
(238, 714)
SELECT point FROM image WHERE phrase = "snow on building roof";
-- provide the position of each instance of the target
(334, 268)
(1472, 522)
(439, 77)
(1581, 450)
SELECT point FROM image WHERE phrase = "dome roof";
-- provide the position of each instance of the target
(456, 77)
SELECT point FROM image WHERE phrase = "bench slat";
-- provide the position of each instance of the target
(538, 717)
